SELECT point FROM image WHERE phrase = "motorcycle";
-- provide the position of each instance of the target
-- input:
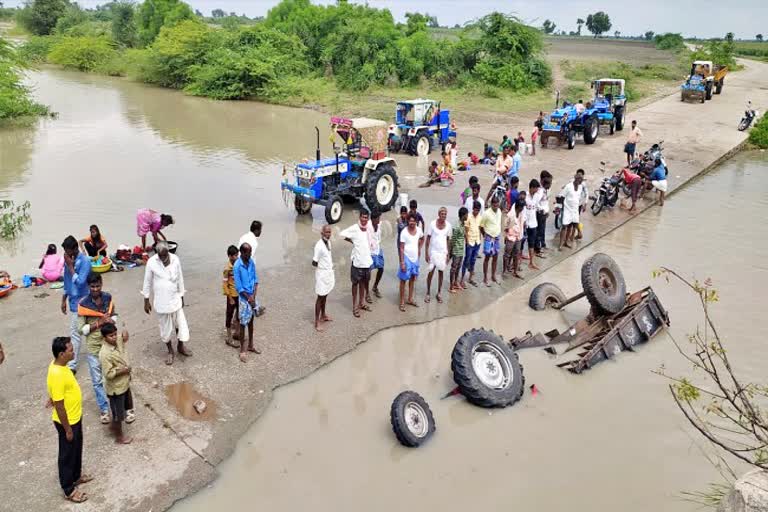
(749, 115)
(607, 194)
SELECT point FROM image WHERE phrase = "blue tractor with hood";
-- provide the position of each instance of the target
(420, 126)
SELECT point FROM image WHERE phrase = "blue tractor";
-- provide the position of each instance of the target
(566, 122)
(420, 126)
(609, 102)
(360, 169)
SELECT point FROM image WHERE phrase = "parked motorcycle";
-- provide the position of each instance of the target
(607, 194)
(749, 115)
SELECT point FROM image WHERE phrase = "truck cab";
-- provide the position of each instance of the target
(610, 102)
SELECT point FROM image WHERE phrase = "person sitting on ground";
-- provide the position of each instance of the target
(506, 142)
(117, 380)
(473, 158)
(489, 155)
(5, 279)
(94, 245)
(446, 174)
(52, 265)
(520, 145)
(433, 175)
(150, 221)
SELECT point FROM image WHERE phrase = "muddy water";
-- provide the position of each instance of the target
(609, 439)
(189, 402)
(118, 146)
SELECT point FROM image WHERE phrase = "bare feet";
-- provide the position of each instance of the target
(243, 357)
(377, 293)
(318, 328)
(124, 440)
(356, 312)
(368, 299)
(365, 307)
(439, 299)
(169, 359)
(426, 299)
(568, 246)
(412, 303)
(517, 275)
(533, 266)
(402, 307)
(254, 350)
(326, 318)
(181, 349)
(473, 282)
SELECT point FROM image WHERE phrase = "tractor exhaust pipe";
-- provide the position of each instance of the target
(317, 154)
(557, 99)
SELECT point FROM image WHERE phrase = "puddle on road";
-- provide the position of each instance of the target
(183, 397)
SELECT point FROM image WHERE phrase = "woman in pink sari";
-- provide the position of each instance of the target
(52, 265)
(150, 221)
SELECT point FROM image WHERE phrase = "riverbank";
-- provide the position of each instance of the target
(173, 456)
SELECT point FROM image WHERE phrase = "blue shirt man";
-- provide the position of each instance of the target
(516, 162)
(245, 275)
(659, 173)
(246, 284)
(76, 269)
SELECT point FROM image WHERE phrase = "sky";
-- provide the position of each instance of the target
(699, 18)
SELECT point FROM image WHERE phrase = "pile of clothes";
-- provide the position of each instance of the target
(127, 257)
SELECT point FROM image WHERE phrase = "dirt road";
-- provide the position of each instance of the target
(173, 456)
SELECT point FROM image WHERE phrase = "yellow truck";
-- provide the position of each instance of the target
(704, 80)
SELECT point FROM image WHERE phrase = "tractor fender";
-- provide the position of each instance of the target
(372, 165)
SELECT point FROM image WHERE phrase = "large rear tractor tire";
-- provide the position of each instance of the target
(381, 189)
(420, 145)
(303, 206)
(591, 130)
(546, 295)
(620, 115)
(487, 370)
(334, 209)
(411, 418)
(719, 86)
(604, 284)
(708, 91)
(571, 138)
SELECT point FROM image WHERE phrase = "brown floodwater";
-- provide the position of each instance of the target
(182, 396)
(118, 146)
(609, 439)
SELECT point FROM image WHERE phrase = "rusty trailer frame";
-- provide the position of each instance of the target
(601, 337)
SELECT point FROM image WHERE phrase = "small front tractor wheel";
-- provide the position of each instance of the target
(603, 284)
(719, 87)
(303, 206)
(619, 114)
(411, 418)
(381, 189)
(333, 209)
(571, 138)
(546, 295)
(591, 130)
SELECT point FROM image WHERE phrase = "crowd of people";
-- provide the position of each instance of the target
(509, 223)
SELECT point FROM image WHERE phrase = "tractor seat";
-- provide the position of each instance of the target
(365, 152)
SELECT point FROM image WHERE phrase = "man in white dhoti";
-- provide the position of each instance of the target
(164, 280)
(324, 275)
(571, 194)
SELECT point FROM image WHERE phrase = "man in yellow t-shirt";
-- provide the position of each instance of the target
(64, 393)
(472, 227)
(490, 228)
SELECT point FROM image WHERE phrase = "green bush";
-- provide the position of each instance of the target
(669, 41)
(175, 51)
(15, 99)
(40, 16)
(758, 134)
(35, 50)
(82, 53)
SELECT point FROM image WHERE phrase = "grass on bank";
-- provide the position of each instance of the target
(752, 50)
(758, 134)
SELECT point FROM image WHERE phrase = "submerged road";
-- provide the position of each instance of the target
(172, 456)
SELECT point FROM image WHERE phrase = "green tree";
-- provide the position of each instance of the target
(649, 35)
(579, 23)
(548, 26)
(432, 22)
(617, 34)
(124, 30)
(598, 23)
(73, 16)
(415, 22)
(155, 14)
(759, 37)
(15, 98)
(40, 16)
(218, 13)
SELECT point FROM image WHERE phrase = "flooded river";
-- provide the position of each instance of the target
(609, 439)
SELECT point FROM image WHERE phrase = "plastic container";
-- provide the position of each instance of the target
(99, 267)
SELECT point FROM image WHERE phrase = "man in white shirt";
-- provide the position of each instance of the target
(571, 194)
(470, 202)
(252, 238)
(583, 204)
(377, 255)
(164, 280)
(542, 213)
(360, 235)
(532, 200)
(436, 252)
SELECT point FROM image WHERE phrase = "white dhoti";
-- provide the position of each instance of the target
(660, 185)
(170, 322)
(437, 260)
(570, 215)
(325, 280)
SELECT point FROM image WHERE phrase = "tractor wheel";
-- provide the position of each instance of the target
(334, 209)
(546, 295)
(708, 91)
(619, 114)
(612, 126)
(486, 369)
(719, 87)
(571, 138)
(381, 189)
(604, 284)
(591, 130)
(420, 145)
(411, 418)
(303, 206)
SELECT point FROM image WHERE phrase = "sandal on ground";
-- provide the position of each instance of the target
(104, 417)
(377, 293)
(130, 416)
(232, 343)
(169, 359)
(368, 299)
(243, 358)
(439, 299)
(412, 303)
(77, 496)
(402, 307)
(365, 307)
(356, 313)
(84, 479)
